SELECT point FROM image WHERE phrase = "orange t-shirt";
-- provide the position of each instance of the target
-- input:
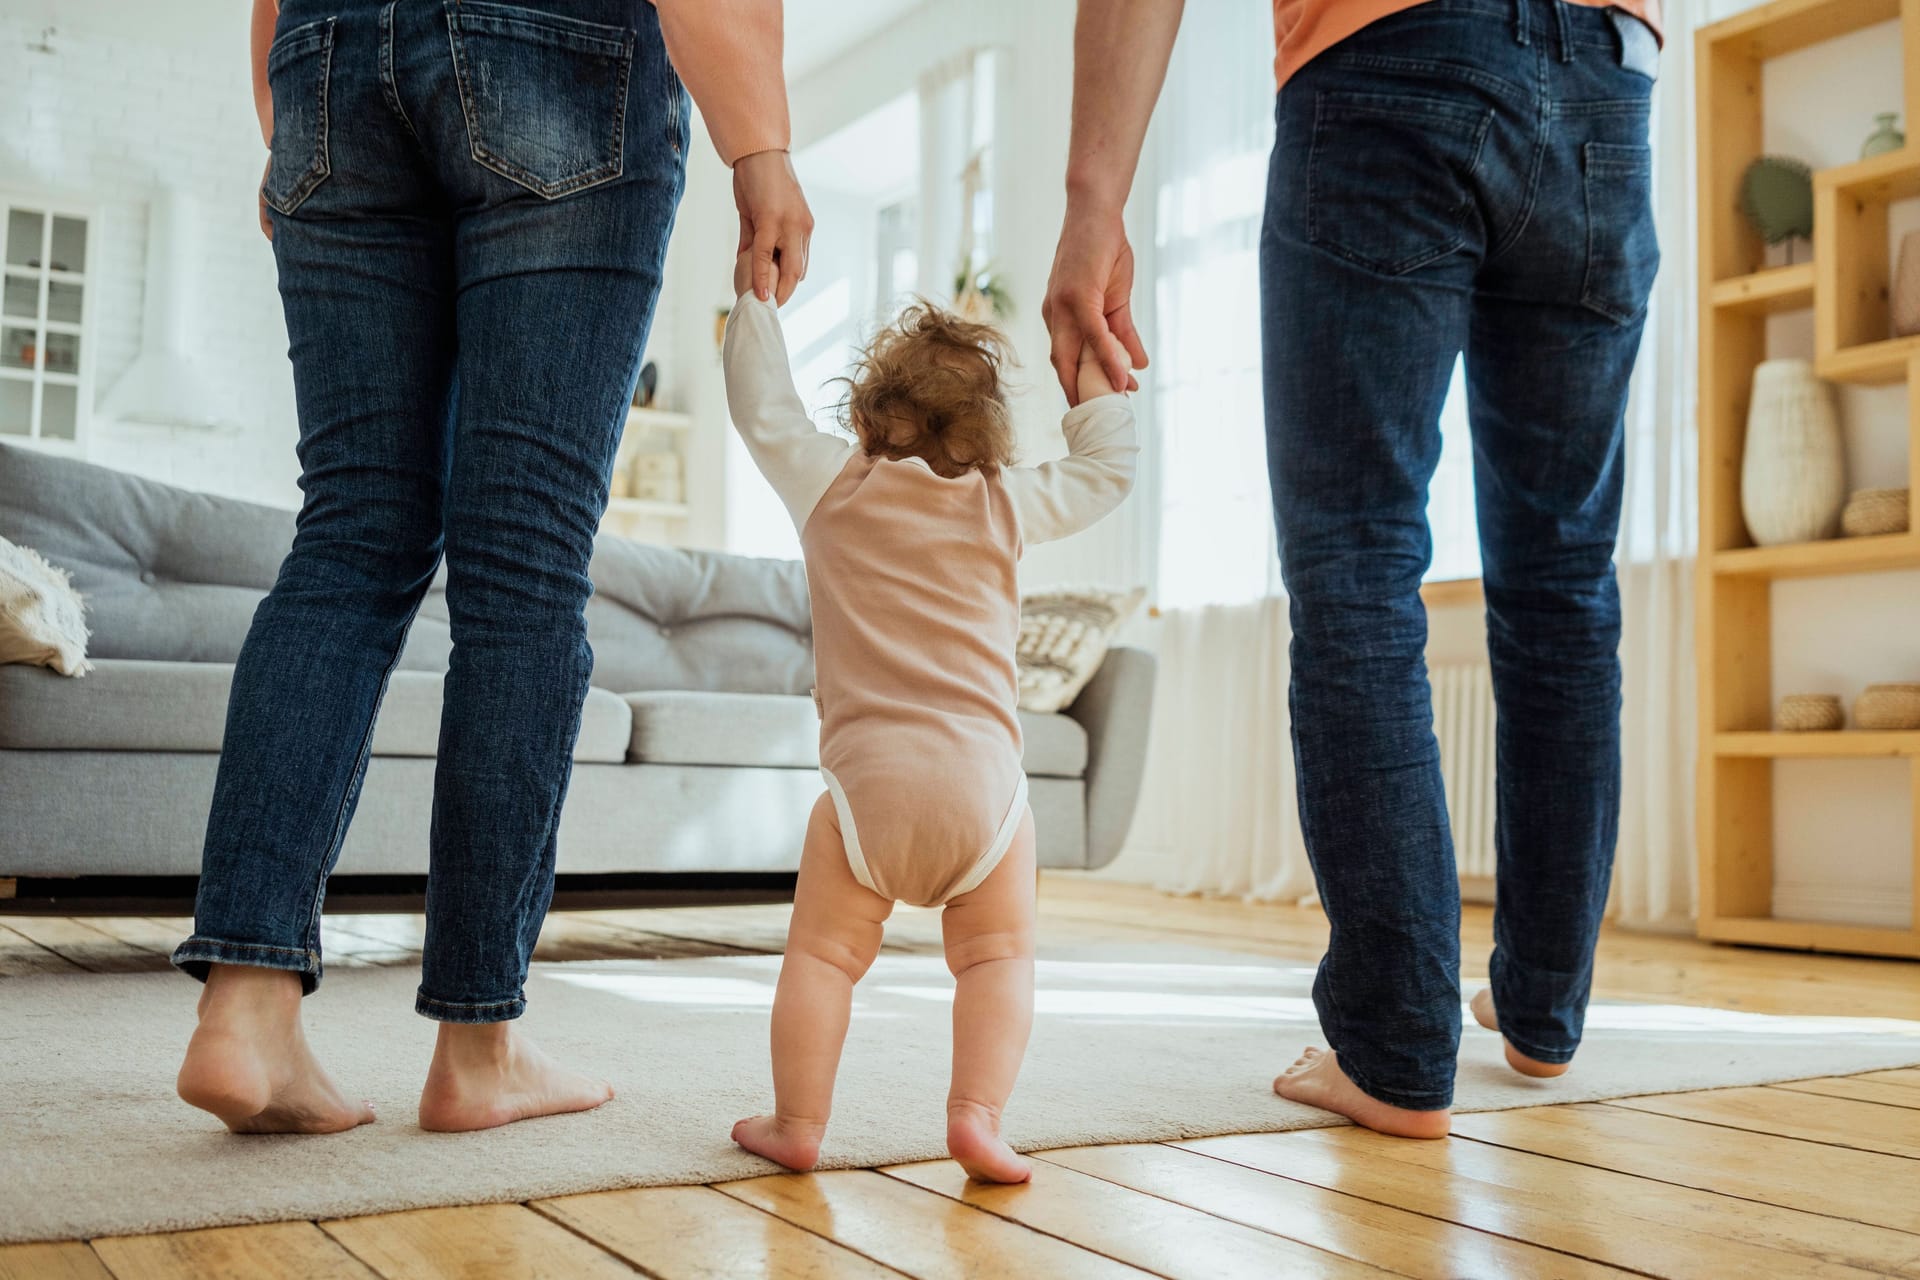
(1305, 29)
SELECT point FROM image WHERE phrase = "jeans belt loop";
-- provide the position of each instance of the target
(1520, 36)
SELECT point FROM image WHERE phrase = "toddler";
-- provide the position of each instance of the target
(911, 537)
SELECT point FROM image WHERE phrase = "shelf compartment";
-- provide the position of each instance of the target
(1768, 291)
(1843, 744)
(1834, 556)
(1872, 364)
(1771, 30)
(647, 507)
(1853, 267)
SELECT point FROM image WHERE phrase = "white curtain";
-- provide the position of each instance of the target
(1218, 811)
(1654, 878)
(959, 102)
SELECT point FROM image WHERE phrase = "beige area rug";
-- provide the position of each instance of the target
(1132, 1044)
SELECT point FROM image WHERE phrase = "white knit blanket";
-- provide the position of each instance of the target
(42, 619)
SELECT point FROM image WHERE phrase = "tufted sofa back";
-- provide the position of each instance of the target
(174, 575)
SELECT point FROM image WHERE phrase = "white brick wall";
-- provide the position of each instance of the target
(122, 107)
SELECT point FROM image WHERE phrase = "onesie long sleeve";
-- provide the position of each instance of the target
(797, 458)
(1058, 499)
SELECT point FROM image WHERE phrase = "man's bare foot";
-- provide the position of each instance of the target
(793, 1143)
(1317, 1080)
(1483, 1013)
(249, 1063)
(974, 1141)
(487, 1074)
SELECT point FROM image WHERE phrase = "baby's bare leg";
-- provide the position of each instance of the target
(989, 936)
(831, 942)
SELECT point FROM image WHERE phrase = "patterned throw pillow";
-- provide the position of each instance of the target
(42, 622)
(1064, 636)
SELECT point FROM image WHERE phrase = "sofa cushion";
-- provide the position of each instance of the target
(132, 705)
(781, 732)
(175, 575)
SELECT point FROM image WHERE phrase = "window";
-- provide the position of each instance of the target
(45, 368)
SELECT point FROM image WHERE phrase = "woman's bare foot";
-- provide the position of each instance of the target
(974, 1141)
(1483, 1013)
(1317, 1080)
(249, 1063)
(487, 1074)
(793, 1143)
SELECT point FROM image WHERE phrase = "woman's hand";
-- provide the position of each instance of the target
(743, 273)
(775, 224)
(266, 220)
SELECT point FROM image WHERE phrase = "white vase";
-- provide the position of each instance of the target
(1793, 476)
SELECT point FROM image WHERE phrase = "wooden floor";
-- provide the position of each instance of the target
(1818, 1178)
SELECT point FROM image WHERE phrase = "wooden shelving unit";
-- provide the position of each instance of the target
(1845, 286)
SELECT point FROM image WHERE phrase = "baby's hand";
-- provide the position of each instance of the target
(743, 276)
(1093, 377)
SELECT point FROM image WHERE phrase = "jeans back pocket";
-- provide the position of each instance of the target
(1389, 177)
(1623, 250)
(299, 66)
(544, 95)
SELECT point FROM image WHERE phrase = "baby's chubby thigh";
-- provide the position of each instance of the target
(835, 917)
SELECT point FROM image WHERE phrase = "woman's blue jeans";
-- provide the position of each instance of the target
(1466, 175)
(471, 205)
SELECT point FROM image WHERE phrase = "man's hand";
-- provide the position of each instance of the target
(1089, 302)
(775, 224)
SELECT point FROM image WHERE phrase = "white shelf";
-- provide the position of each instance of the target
(645, 507)
(662, 419)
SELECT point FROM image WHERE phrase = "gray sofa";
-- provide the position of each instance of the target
(697, 751)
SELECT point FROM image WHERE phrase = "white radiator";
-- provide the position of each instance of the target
(1463, 721)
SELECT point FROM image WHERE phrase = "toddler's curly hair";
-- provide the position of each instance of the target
(928, 387)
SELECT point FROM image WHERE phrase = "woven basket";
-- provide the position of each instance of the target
(1872, 511)
(1888, 706)
(1809, 713)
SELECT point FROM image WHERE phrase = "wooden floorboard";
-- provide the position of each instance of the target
(1810, 1117)
(1858, 1186)
(1154, 1234)
(1399, 1240)
(274, 1251)
(1804, 1178)
(1858, 1088)
(474, 1240)
(920, 1232)
(1616, 1219)
(697, 1233)
(65, 1260)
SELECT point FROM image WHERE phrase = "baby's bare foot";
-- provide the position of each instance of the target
(249, 1063)
(1483, 1013)
(974, 1141)
(488, 1074)
(793, 1143)
(1317, 1080)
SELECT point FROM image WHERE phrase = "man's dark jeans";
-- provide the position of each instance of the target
(1466, 175)
(471, 205)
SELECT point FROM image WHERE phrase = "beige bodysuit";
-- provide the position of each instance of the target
(916, 611)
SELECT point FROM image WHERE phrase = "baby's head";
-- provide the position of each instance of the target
(928, 387)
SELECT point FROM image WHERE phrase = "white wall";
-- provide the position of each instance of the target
(137, 96)
(132, 100)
